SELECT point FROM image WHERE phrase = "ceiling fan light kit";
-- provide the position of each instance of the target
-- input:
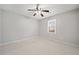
(38, 10)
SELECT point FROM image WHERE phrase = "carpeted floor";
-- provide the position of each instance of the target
(38, 47)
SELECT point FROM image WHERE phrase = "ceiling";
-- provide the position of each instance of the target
(54, 9)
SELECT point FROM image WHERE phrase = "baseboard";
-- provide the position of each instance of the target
(54, 40)
(16, 41)
(68, 43)
(58, 40)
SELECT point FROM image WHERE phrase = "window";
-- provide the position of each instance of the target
(52, 25)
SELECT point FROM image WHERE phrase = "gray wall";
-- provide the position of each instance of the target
(16, 27)
(0, 26)
(67, 25)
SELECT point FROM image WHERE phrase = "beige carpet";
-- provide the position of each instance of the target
(40, 47)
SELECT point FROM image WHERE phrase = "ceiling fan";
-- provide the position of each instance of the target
(38, 10)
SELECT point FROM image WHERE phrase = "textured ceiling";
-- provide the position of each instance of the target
(54, 9)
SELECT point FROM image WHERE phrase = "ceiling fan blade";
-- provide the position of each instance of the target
(45, 10)
(42, 15)
(34, 14)
(31, 10)
(37, 7)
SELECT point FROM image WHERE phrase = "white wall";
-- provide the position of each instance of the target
(67, 27)
(16, 27)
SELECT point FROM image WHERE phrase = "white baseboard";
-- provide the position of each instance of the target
(58, 40)
(68, 43)
(54, 40)
(19, 40)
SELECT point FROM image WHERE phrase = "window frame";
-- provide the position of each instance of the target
(53, 20)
